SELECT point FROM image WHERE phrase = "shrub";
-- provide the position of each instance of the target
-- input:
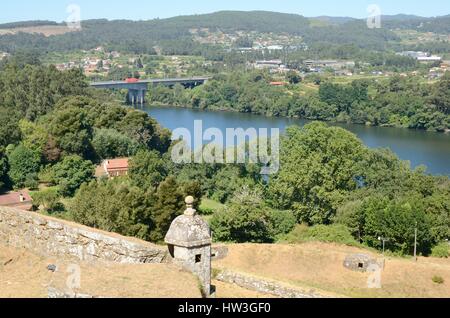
(438, 280)
(283, 222)
(31, 181)
(441, 251)
(205, 211)
(209, 207)
(23, 163)
(336, 233)
(71, 173)
(48, 198)
(245, 219)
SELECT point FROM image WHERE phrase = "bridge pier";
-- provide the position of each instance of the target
(136, 96)
(138, 89)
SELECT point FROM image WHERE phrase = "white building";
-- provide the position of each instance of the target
(268, 64)
(429, 58)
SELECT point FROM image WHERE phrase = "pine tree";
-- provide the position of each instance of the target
(169, 204)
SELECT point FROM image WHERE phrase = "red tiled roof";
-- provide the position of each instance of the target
(13, 198)
(117, 164)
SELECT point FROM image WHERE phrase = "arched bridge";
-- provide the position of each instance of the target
(138, 88)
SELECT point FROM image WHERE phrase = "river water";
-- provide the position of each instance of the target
(419, 147)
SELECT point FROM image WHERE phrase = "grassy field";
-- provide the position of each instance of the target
(211, 204)
(46, 30)
(320, 266)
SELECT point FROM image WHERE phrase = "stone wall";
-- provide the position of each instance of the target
(265, 286)
(53, 237)
(363, 263)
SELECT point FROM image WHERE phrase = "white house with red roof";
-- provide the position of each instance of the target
(112, 168)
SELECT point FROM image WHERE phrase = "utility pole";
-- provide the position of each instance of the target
(384, 240)
(415, 243)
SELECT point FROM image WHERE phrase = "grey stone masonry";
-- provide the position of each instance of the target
(52, 237)
(189, 241)
(265, 286)
(362, 263)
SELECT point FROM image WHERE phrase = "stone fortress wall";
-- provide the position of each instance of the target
(51, 237)
(48, 236)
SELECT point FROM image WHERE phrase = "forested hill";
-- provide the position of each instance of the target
(142, 36)
(439, 25)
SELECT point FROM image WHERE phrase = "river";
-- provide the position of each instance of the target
(419, 147)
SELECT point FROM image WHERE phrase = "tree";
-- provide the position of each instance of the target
(71, 173)
(319, 167)
(169, 204)
(34, 136)
(72, 130)
(147, 169)
(247, 219)
(3, 171)
(293, 77)
(145, 130)
(226, 181)
(109, 143)
(113, 206)
(24, 165)
(397, 221)
(440, 96)
(139, 64)
(9, 127)
(243, 42)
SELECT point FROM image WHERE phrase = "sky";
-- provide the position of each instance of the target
(56, 10)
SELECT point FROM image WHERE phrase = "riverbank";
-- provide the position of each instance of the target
(431, 149)
(338, 122)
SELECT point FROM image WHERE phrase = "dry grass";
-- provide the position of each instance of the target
(308, 266)
(320, 266)
(24, 274)
(46, 30)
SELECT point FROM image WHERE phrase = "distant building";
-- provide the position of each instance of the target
(275, 47)
(267, 64)
(421, 56)
(19, 200)
(319, 63)
(429, 59)
(112, 168)
(278, 83)
(413, 54)
(335, 65)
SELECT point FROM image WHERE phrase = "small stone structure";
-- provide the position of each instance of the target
(361, 262)
(189, 240)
